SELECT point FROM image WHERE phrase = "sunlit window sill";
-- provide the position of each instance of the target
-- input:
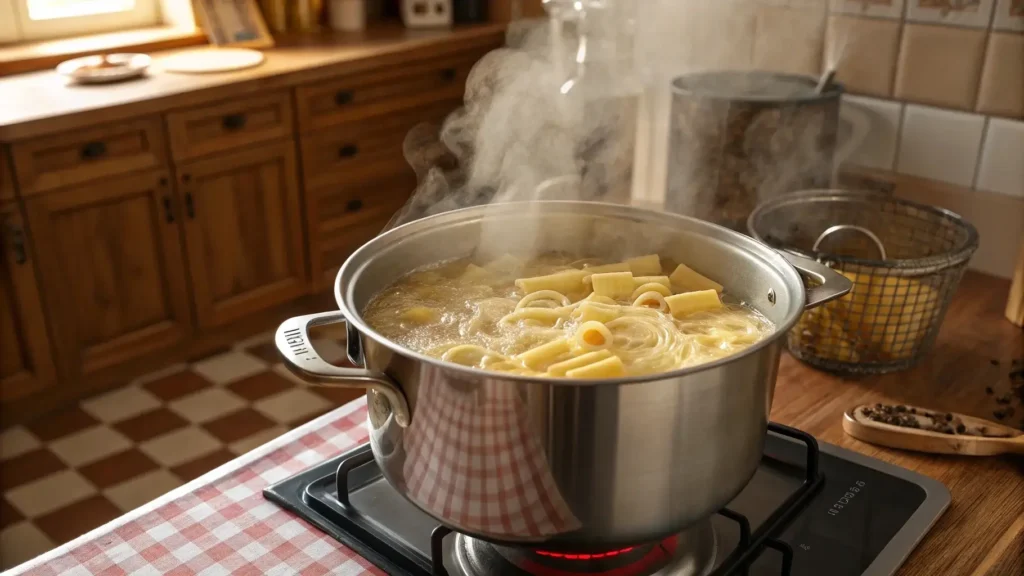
(31, 56)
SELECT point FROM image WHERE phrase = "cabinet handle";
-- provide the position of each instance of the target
(190, 208)
(93, 150)
(18, 244)
(168, 210)
(449, 74)
(234, 121)
(163, 181)
(348, 151)
(342, 97)
(186, 177)
(354, 205)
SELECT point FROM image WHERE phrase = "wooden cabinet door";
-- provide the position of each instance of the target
(112, 270)
(243, 231)
(26, 359)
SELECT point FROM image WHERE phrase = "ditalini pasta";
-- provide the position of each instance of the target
(560, 317)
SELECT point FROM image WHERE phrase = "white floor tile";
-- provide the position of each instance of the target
(16, 441)
(142, 489)
(256, 440)
(180, 446)
(89, 445)
(206, 405)
(50, 493)
(121, 404)
(291, 405)
(20, 543)
(229, 366)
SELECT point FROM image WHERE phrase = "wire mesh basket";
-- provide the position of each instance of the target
(905, 261)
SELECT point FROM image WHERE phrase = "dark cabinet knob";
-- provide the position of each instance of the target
(190, 207)
(342, 97)
(186, 177)
(354, 205)
(18, 244)
(234, 121)
(163, 181)
(448, 74)
(168, 210)
(348, 151)
(93, 150)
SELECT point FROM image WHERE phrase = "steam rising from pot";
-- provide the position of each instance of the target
(518, 137)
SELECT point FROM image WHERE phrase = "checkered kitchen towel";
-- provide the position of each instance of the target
(472, 456)
(220, 523)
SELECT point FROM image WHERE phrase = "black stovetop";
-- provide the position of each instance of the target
(810, 509)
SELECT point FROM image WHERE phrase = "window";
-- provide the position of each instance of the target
(40, 19)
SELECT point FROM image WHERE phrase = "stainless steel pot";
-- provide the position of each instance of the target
(570, 464)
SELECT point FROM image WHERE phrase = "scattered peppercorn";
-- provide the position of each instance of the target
(960, 429)
(994, 362)
(989, 390)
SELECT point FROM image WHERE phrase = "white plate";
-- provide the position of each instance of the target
(208, 60)
(84, 70)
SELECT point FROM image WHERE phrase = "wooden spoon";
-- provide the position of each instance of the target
(938, 432)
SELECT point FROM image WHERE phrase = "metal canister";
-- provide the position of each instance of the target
(738, 138)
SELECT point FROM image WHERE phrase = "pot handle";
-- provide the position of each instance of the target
(831, 284)
(292, 340)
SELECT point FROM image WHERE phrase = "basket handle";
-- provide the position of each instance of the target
(832, 284)
(839, 227)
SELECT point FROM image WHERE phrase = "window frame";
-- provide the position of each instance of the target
(145, 13)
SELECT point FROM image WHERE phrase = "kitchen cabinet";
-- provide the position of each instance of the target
(26, 359)
(111, 267)
(243, 230)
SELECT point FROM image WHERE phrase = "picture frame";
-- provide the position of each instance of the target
(234, 23)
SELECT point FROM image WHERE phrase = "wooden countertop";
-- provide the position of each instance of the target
(982, 532)
(43, 102)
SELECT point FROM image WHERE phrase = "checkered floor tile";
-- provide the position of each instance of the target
(71, 471)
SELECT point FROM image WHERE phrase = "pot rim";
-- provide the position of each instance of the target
(681, 87)
(789, 274)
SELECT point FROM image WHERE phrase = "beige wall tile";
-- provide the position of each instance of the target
(789, 39)
(1009, 15)
(876, 8)
(940, 144)
(940, 65)
(973, 13)
(864, 51)
(1001, 91)
(1002, 158)
(998, 218)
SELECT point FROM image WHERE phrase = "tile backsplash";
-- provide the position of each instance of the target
(942, 84)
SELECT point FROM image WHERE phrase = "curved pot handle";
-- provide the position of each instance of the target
(292, 340)
(831, 285)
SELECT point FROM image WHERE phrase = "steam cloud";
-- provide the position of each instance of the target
(518, 137)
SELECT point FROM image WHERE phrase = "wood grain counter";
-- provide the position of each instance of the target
(982, 532)
(43, 103)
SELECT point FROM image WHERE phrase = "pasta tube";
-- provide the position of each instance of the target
(614, 285)
(686, 280)
(690, 302)
(560, 368)
(607, 368)
(650, 287)
(606, 268)
(596, 312)
(651, 299)
(565, 282)
(663, 280)
(543, 299)
(593, 336)
(649, 265)
(545, 354)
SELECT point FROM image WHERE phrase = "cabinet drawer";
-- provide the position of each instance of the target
(336, 248)
(61, 160)
(377, 191)
(202, 130)
(330, 156)
(383, 91)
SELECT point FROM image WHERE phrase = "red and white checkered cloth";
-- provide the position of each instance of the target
(472, 456)
(220, 523)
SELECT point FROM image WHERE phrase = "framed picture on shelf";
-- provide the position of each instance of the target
(234, 23)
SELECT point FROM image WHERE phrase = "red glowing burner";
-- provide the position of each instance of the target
(596, 556)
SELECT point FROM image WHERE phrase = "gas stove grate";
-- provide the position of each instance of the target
(329, 498)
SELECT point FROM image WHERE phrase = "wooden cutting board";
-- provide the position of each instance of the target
(1015, 305)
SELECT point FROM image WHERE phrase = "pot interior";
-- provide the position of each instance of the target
(749, 270)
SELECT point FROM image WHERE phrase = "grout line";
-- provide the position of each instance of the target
(899, 138)
(981, 152)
